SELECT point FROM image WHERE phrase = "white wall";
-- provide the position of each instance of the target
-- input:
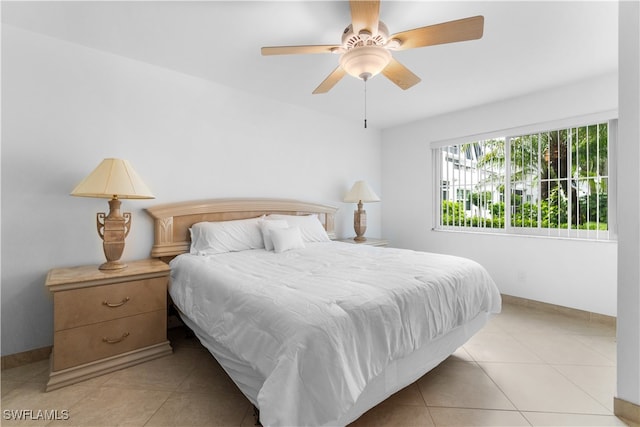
(628, 334)
(66, 107)
(575, 274)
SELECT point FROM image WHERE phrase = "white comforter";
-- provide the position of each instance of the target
(320, 322)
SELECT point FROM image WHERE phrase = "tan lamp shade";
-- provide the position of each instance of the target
(113, 179)
(360, 193)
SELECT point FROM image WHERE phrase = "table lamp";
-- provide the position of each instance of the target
(360, 193)
(113, 179)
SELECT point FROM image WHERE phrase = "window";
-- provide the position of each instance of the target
(553, 183)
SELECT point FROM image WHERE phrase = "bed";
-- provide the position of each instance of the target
(313, 331)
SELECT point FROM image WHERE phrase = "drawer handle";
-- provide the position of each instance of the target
(115, 340)
(117, 304)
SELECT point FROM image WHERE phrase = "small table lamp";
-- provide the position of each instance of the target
(113, 179)
(359, 193)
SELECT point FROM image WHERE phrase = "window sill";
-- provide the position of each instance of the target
(502, 233)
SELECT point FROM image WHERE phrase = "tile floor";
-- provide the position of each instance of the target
(525, 368)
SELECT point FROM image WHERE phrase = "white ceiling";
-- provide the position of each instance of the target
(526, 47)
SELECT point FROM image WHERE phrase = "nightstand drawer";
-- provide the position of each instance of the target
(84, 344)
(95, 304)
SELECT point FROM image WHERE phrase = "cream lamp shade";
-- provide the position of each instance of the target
(113, 179)
(360, 193)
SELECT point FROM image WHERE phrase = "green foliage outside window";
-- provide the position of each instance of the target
(553, 214)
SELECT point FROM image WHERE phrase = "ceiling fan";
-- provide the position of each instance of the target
(366, 45)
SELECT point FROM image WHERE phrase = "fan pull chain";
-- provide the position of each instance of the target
(365, 103)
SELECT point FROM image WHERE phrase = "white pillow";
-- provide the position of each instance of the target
(310, 226)
(266, 227)
(285, 239)
(210, 238)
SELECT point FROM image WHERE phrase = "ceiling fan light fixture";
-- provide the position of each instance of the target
(365, 62)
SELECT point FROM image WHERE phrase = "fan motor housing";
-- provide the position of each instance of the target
(364, 38)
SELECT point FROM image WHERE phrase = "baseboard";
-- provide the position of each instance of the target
(568, 311)
(626, 410)
(24, 358)
(93, 369)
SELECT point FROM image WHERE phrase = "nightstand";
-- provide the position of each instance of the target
(106, 320)
(370, 241)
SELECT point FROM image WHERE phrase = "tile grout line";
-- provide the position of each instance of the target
(578, 385)
(501, 391)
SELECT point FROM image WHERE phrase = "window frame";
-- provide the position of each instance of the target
(508, 134)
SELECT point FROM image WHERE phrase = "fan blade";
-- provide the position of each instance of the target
(330, 81)
(365, 15)
(400, 75)
(447, 32)
(291, 50)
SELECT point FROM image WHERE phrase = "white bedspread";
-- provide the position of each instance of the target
(320, 322)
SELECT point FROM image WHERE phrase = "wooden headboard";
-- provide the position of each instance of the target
(172, 221)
